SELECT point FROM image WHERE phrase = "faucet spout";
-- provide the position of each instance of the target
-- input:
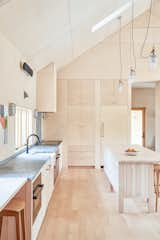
(28, 138)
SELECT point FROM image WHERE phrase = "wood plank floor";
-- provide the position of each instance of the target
(83, 208)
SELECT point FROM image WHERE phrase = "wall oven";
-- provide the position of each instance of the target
(37, 196)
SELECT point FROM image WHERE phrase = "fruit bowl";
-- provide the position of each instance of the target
(131, 152)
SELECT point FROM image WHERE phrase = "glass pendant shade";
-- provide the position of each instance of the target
(120, 86)
(132, 76)
(153, 60)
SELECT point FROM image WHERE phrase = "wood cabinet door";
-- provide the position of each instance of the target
(81, 122)
(47, 89)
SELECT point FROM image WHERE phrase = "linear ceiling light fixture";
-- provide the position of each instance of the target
(114, 15)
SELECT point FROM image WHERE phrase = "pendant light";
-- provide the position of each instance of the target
(153, 60)
(132, 73)
(120, 86)
(120, 83)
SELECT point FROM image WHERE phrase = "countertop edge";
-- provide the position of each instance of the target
(13, 194)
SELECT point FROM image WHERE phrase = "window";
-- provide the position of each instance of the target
(23, 126)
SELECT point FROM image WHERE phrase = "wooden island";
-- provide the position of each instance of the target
(131, 176)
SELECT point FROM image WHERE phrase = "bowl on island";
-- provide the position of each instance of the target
(131, 152)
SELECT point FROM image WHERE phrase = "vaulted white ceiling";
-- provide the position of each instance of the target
(59, 30)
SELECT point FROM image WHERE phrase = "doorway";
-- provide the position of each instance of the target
(138, 126)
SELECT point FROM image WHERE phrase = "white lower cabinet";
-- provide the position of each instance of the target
(47, 176)
(48, 181)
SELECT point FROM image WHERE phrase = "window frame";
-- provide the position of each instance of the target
(23, 126)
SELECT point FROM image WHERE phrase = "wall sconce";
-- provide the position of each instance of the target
(25, 95)
(12, 109)
(1, 110)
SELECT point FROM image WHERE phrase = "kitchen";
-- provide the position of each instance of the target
(65, 102)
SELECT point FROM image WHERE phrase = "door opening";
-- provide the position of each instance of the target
(138, 126)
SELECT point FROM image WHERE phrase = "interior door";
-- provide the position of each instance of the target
(138, 126)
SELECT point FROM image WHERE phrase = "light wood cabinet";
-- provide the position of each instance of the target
(110, 95)
(81, 124)
(47, 89)
(81, 92)
(90, 112)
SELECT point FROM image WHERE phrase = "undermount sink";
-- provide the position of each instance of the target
(40, 152)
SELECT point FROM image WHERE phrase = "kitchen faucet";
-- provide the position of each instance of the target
(32, 135)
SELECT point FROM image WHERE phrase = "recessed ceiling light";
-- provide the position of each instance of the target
(111, 17)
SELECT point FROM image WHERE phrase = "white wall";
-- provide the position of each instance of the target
(13, 82)
(145, 97)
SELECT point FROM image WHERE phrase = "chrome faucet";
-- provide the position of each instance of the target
(32, 135)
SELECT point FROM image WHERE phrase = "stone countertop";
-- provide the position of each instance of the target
(28, 165)
(15, 172)
(8, 189)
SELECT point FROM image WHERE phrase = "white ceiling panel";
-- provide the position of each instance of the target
(59, 30)
(32, 25)
(60, 53)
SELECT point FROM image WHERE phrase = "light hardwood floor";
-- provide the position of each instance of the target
(83, 208)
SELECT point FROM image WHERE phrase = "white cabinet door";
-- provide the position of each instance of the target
(39, 219)
(48, 181)
(47, 89)
(51, 176)
(45, 182)
(47, 175)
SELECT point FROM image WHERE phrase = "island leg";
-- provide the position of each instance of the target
(121, 188)
(151, 189)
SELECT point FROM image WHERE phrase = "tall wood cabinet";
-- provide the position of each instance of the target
(81, 122)
(47, 89)
(90, 113)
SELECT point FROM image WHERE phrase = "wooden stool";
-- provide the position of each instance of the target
(157, 183)
(16, 208)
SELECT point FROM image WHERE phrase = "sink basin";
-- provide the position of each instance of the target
(51, 143)
(33, 153)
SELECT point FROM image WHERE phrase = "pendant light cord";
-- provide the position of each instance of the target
(70, 23)
(132, 45)
(147, 31)
(120, 47)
